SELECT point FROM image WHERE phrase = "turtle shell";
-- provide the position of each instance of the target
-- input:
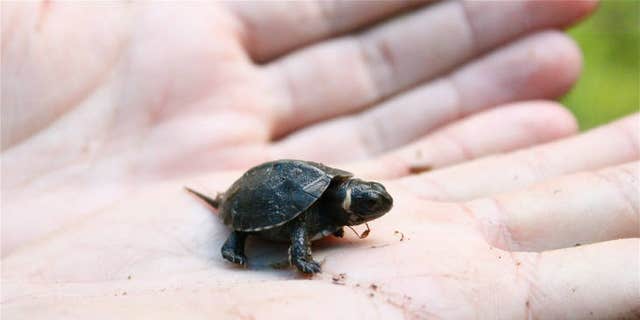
(274, 193)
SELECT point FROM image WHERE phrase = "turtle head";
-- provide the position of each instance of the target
(364, 201)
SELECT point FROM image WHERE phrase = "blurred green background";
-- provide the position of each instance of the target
(609, 85)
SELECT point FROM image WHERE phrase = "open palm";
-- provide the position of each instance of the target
(154, 95)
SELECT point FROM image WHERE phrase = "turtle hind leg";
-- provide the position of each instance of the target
(233, 249)
(300, 250)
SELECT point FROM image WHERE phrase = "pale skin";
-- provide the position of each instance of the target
(109, 110)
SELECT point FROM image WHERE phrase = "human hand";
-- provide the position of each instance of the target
(116, 97)
(511, 253)
(161, 238)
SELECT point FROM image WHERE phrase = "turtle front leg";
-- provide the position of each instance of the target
(300, 250)
(233, 248)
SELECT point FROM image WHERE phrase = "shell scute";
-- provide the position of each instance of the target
(274, 193)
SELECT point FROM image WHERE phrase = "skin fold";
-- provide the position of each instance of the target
(500, 209)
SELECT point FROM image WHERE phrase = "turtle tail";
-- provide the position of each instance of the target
(215, 203)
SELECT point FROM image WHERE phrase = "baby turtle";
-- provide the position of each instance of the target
(295, 201)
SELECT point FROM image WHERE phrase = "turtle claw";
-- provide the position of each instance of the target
(307, 266)
(234, 257)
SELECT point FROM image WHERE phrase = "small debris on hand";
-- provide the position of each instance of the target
(400, 233)
(339, 279)
(419, 165)
(419, 168)
(380, 246)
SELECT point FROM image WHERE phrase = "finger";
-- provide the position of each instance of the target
(349, 73)
(612, 144)
(506, 75)
(572, 210)
(598, 281)
(497, 130)
(273, 28)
